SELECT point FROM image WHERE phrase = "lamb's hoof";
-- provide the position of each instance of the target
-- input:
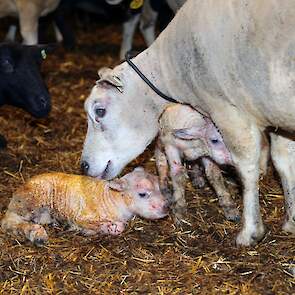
(167, 194)
(232, 214)
(38, 235)
(250, 237)
(199, 182)
(39, 242)
(179, 218)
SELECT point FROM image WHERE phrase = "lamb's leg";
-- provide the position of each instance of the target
(243, 139)
(216, 180)
(283, 156)
(20, 226)
(197, 176)
(18, 221)
(129, 28)
(163, 170)
(179, 177)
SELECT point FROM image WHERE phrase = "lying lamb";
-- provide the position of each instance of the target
(88, 205)
(186, 134)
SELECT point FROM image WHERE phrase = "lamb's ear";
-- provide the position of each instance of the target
(106, 76)
(118, 184)
(193, 132)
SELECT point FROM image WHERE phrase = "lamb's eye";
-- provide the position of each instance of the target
(214, 141)
(100, 112)
(143, 195)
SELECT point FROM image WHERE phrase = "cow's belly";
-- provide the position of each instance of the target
(226, 57)
(7, 8)
(49, 6)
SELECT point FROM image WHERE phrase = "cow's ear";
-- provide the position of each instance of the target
(6, 66)
(119, 184)
(193, 132)
(106, 76)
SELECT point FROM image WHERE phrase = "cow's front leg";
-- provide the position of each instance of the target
(215, 178)
(129, 28)
(283, 156)
(243, 139)
(147, 24)
(179, 177)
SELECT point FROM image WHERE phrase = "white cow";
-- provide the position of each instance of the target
(231, 60)
(28, 12)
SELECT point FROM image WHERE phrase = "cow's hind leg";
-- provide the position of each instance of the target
(243, 139)
(283, 156)
(216, 180)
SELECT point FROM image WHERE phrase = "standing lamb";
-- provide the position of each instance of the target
(86, 204)
(186, 134)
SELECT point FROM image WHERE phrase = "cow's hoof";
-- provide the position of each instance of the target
(289, 226)
(3, 142)
(232, 214)
(250, 237)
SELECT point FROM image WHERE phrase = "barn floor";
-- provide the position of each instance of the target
(151, 257)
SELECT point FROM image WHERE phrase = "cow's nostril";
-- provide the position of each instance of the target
(84, 167)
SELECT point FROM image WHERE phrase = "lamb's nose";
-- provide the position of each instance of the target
(84, 167)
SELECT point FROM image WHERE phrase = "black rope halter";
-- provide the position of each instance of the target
(147, 81)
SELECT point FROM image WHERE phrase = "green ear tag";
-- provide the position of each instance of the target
(136, 4)
(43, 54)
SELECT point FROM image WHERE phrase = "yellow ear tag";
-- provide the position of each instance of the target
(43, 54)
(135, 4)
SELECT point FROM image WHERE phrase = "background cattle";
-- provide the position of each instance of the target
(21, 84)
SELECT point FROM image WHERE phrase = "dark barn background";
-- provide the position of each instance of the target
(150, 257)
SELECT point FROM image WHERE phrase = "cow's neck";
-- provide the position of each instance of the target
(149, 65)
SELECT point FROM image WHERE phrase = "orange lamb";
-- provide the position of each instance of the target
(88, 205)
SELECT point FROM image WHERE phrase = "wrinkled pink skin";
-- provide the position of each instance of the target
(201, 140)
(89, 206)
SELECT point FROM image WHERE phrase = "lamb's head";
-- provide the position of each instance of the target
(121, 123)
(147, 199)
(200, 137)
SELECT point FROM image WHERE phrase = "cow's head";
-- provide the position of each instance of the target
(21, 84)
(122, 121)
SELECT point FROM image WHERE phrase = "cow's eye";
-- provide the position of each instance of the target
(100, 112)
(214, 141)
(143, 195)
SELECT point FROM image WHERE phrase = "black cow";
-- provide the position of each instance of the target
(21, 84)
